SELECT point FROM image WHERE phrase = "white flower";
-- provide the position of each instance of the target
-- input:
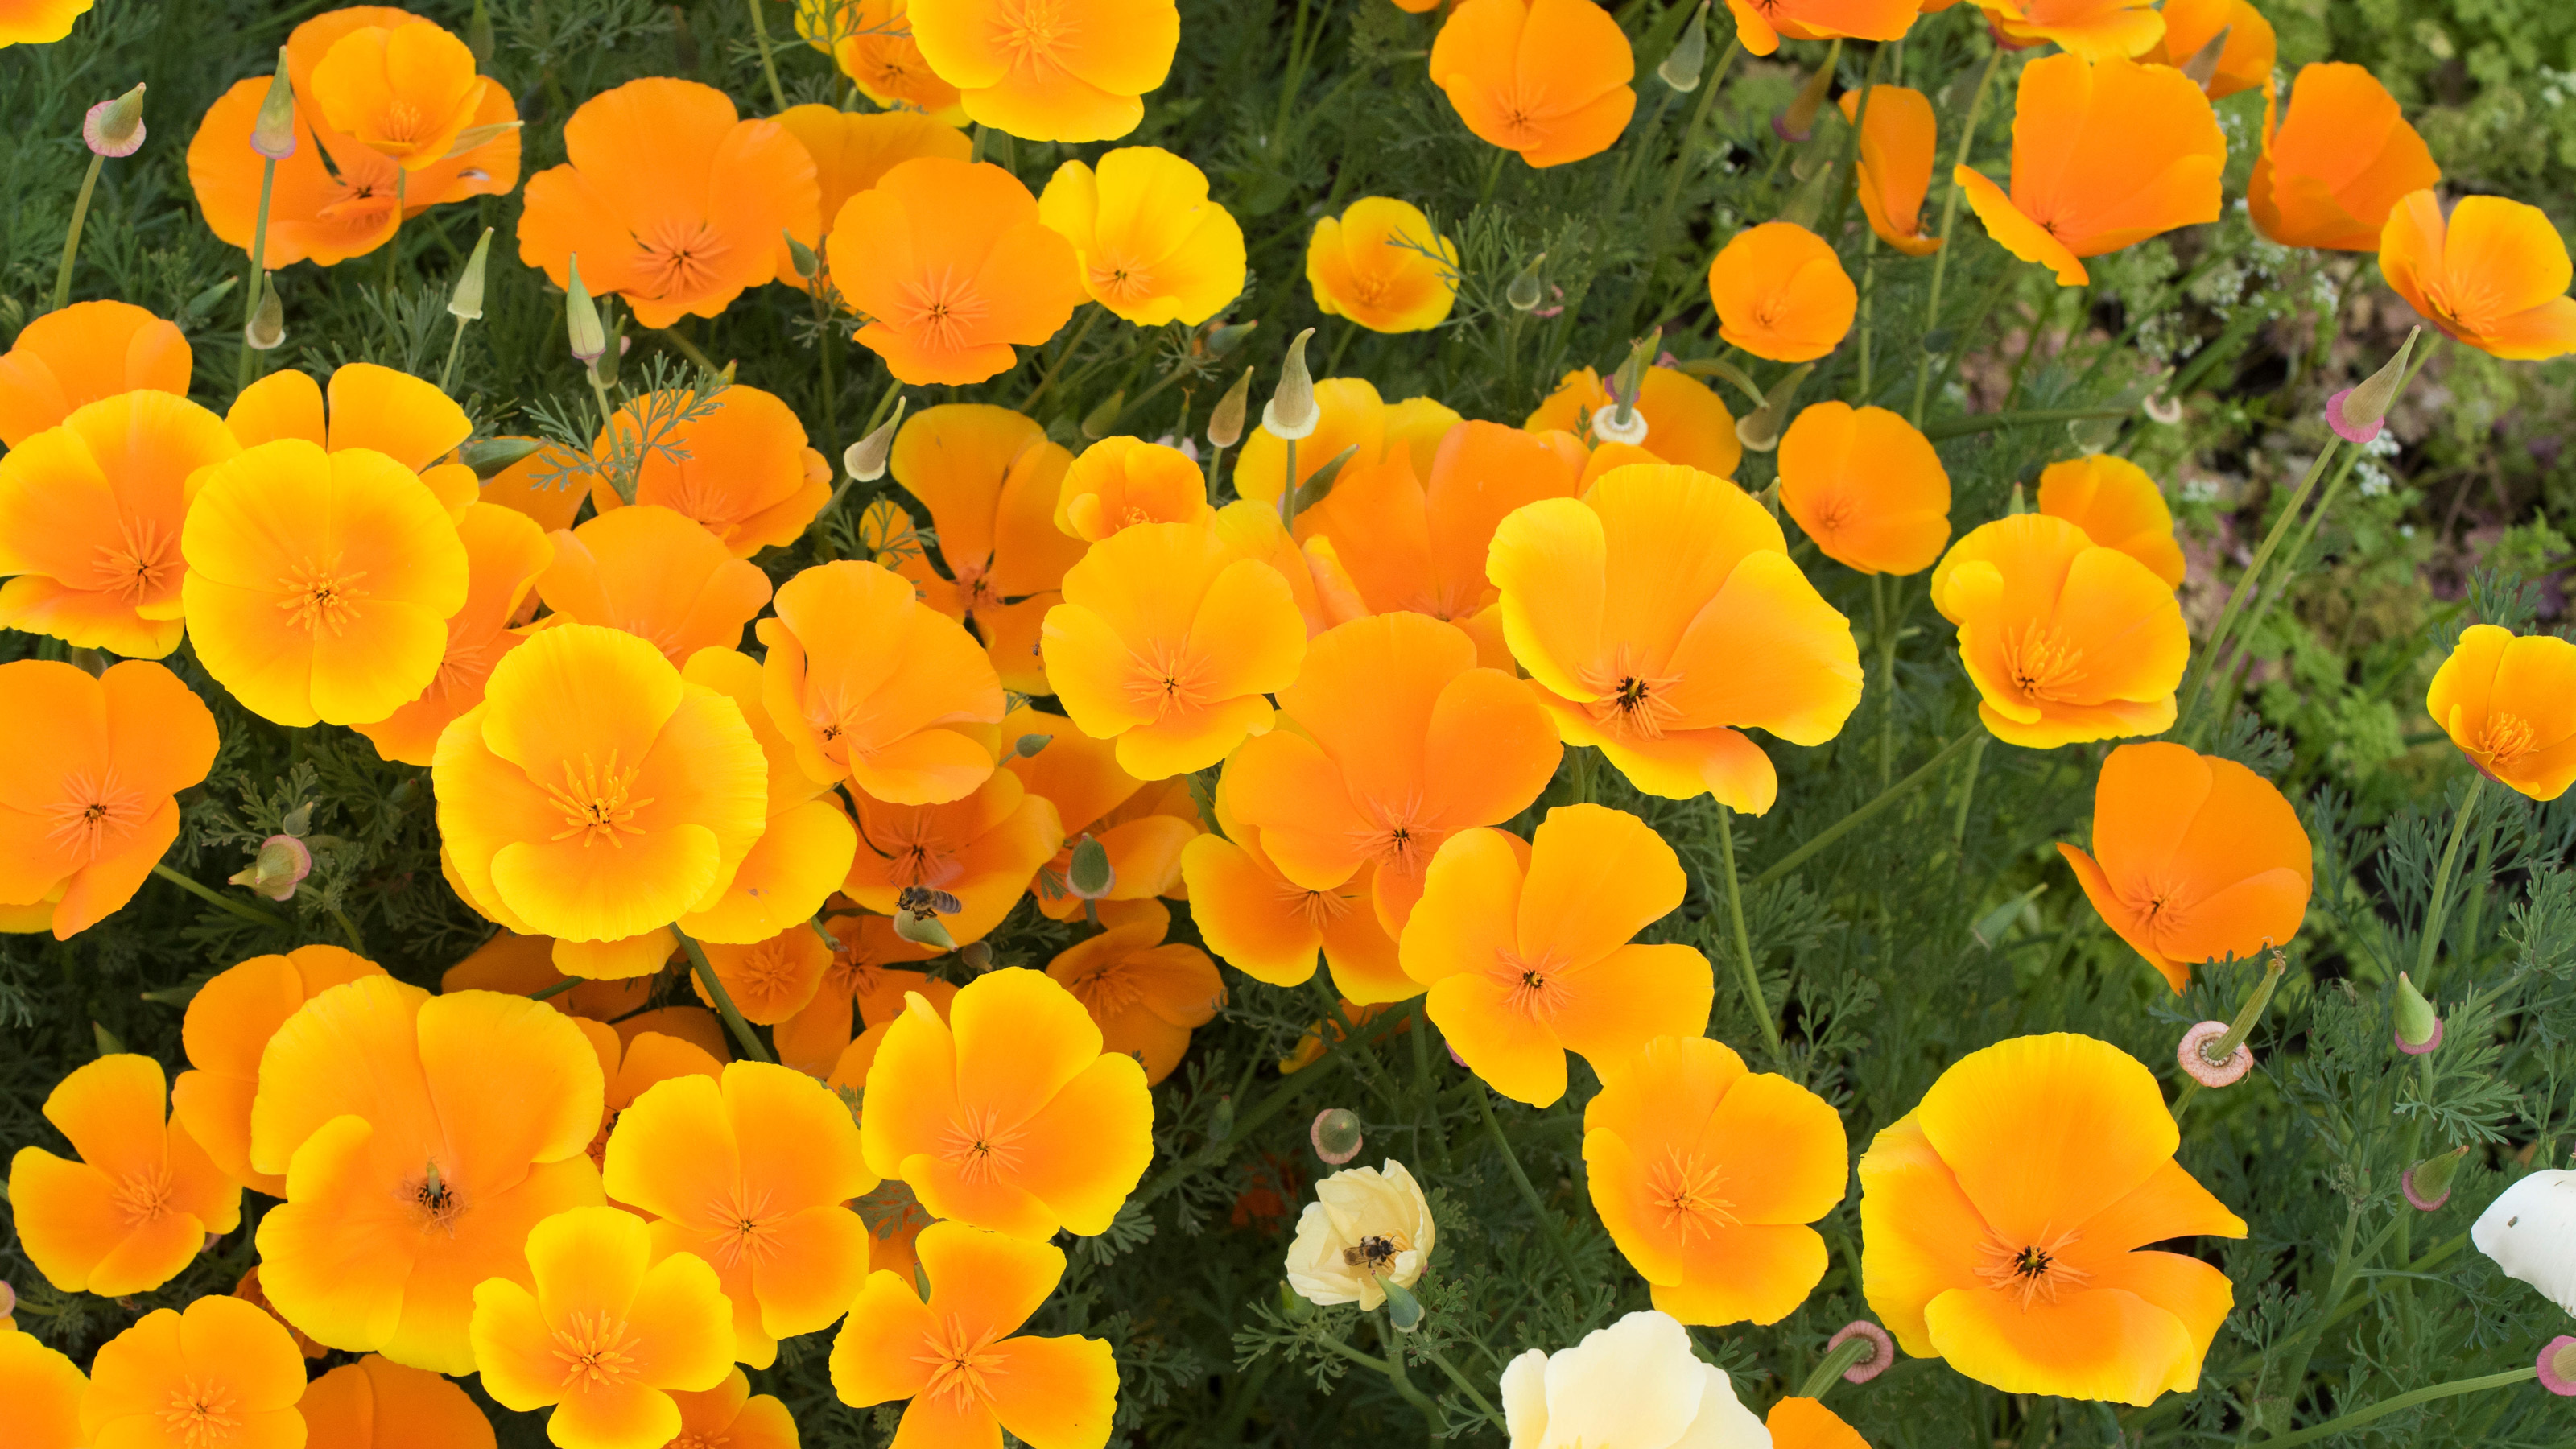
(1364, 1226)
(2530, 1231)
(1633, 1385)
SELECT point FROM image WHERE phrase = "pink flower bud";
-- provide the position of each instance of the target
(2194, 1056)
(1336, 1135)
(2558, 1367)
(115, 127)
(282, 864)
(1882, 1352)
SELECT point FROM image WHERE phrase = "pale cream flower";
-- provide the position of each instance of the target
(2530, 1232)
(1365, 1227)
(1633, 1385)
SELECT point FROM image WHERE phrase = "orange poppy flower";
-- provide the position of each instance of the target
(1526, 962)
(1270, 928)
(408, 1180)
(1399, 741)
(2337, 164)
(1380, 265)
(614, 1324)
(1141, 828)
(741, 468)
(730, 1415)
(769, 980)
(752, 1175)
(1686, 421)
(2094, 30)
(41, 22)
(1153, 249)
(1867, 487)
(2244, 63)
(859, 991)
(588, 737)
(2198, 858)
(1707, 1177)
(2118, 506)
(1145, 995)
(1546, 78)
(872, 687)
(654, 573)
(951, 265)
(1008, 1115)
(248, 1291)
(482, 159)
(2493, 275)
(90, 514)
(1078, 78)
(228, 1025)
(404, 92)
(991, 481)
(1632, 609)
(2509, 703)
(1316, 579)
(1781, 293)
(1168, 643)
(373, 407)
(138, 1203)
(983, 849)
(2066, 640)
(223, 1373)
(956, 1353)
(505, 556)
(320, 584)
(670, 200)
(853, 150)
(40, 1394)
(1349, 414)
(2104, 156)
(524, 965)
(804, 850)
(67, 359)
(88, 768)
(632, 1066)
(1999, 1218)
(1121, 482)
(1763, 24)
(694, 1025)
(545, 485)
(1895, 165)
(1797, 1423)
(871, 41)
(376, 1403)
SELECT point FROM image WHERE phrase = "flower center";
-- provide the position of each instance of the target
(918, 855)
(942, 312)
(1030, 32)
(200, 1414)
(765, 972)
(1684, 1187)
(140, 567)
(680, 258)
(596, 1351)
(980, 1147)
(597, 803)
(94, 813)
(319, 596)
(2042, 664)
(1167, 680)
(747, 1231)
(433, 1196)
(2470, 301)
(2508, 738)
(2029, 1271)
(1319, 909)
(958, 1361)
(1107, 989)
(1121, 281)
(1632, 701)
(142, 1196)
(1535, 989)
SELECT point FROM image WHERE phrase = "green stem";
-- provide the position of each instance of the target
(1690, 140)
(1949, 219)
(1850, 1351)
(2198, 683)
(349, 928)
(1753, 998)
(1886, 797)
(1529, 1193)
(741, 1029)
(1403, 1381)
(558, 989)
(248, 367)
(690, 350)
(2442, 877)
(768, 65)
(2346, 1423)
(243, 909)
(1244, 1124)
(1967, 793)
(830, 346)
(1440, 1361)
(447, 374)
(1987, 422)
(1046, 380)
(1288, 492)
(71, 239)
(1848, 186)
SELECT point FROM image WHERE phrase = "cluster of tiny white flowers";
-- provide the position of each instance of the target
(2200, 490)
(2370, 478)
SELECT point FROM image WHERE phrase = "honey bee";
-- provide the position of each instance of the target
(1373, 1253)
(926, 901)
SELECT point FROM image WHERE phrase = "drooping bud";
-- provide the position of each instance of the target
(581, 318)
(115, 128)
(977, 956)
(1225, 339)
(1402, 1308)
(267, 329)
(273, 134)
(1291, 412)
(489, 457)
(2358, 414)
(2419, 1030)
(478, 35)
(865, 460)
(800, 256)
(2427, 1184)
(1089, 875)
(1682, 69)
(467, 303)
(282, 863)
(1761, 428)
(923, 929)
(1225, 425)
(1797, 123)
(1336, 1135)
(1097, 422)
(2224, 1071)
(1027, 746)
(1882, 1351)
(2557, 1366)
(1524, 292)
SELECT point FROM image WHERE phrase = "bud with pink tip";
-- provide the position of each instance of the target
(1882, 1350)
(2427, 1184)
(2223, 1071)
(1336, 1135)
(282, 864)
(115, 127)
(2418, 1029)
(273, 134)
(1797, 123)
(2558, 1367)
(2358, 414)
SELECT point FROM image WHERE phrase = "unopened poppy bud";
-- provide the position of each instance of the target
(1292, 1304)
(273, 134)
(800, 255)
(267, 329)
(1524, 292)
(282, 863)
(923, 930)
(1807, 203)
(115, 128)
(479, 38)
(1336, 1135)
(1225, 339)
(2358, 414)
(1682, 69)
(977, 956)
(2204, 62)
(1402, 1308)
(2427, 1184)
(1797, 123)
(1761, 428)
(1225, 425)
(109, 1043)
(581, 318)
(1027, 746)
(1291, 412)
(1881, 1355)
(1097, 423)
(2419, 1030)
(2224, 1070)
(2557, 1366)
(1089, 876)
(475, 138)
(1627, 383)
(298, 822)
(865, 460)
(1221, 1120)
(467, 303)
(489, 457)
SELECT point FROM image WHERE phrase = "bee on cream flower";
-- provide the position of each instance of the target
(1366, 1228)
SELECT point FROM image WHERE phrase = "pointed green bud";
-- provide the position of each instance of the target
(109, 1044)
(475, 138)
(267, 327)
(478, 35)
(1089, 875)
(488, 457)
(281, 865)
(115, 128)
(923, 930)
(1225, 425)
(1027, 746)
(1402, 1308)
(1682, 69)
(1808, 202)
(273, 134)
(2419, 1029)
(467, 303)
(977, 955)
(1761, 428)
(1526, 289)
(2020, 503)
(2357, 414)
(1223, 340)
(1221, 1120)
(1291, 412)
(2427, 1184)
(1098, 423)
(865, 460)
(1621, 422)
(2203, 65)
(1797, 123)
(581, 318)
(801, 256)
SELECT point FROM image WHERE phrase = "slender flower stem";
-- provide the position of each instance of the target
(349, 928)
(1396, 1375)
(1288, 492)
(71, 239)
(247, 369)
(1988, 422)
(768, 65)
(455, 345)
(393, 242)
(2440, 905)
(1886, 797)
(1753, 998)
(690, 350)
(1529, 1193)
(2198, 684)
(558, 989)
(2346, 1423)
(1046, 379)
(724, 1003)
(1949, 219)
(243, 909)
(2242, 1027)
(1278, 1100)
(1846, 1353)
(1681, 167)
(1441, 1361)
